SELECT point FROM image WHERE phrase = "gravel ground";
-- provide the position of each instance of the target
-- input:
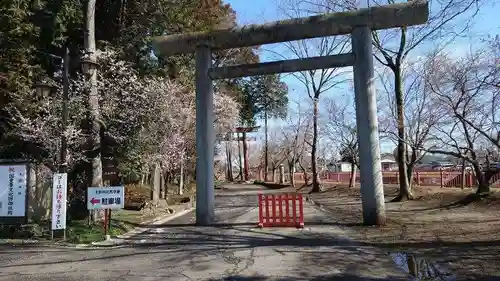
(441, 225)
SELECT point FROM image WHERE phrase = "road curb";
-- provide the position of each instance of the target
(319, 206)
(157, 221)
(48, 244)
(314, 203)
(115, 244)
(112, 244)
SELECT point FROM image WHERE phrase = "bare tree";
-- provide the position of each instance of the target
(422, 113)
(276, 152)
(468, 88)
(447, 20)
(294, 133)
(315, 82)
(341, 130)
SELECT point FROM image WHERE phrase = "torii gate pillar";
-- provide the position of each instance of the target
(205, 137)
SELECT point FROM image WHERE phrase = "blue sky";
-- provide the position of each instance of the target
(260, 11)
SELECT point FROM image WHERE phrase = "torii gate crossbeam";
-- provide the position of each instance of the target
(358, 23)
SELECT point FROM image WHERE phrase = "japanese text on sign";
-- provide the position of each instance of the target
(113, 191)
(59, 189)
(13, 190)
(109, 197)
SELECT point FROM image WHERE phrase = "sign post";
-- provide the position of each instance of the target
(13, 193)
(59, 202)
(106, 198)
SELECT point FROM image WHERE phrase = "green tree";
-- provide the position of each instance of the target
(265, 97)
(17, 70)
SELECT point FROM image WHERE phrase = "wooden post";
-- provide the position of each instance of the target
(109, 221)
(441, 177)
(282, 174)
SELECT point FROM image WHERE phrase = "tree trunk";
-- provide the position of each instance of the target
(352, 181)
(291, 173)
(266, 157)
(94, 138)
(163, 194)
(282, 174)
(462, 185)
(166, 177)
(181, 180)
(482, 183)
(404, 186)
(316, 184)
(230, 158)
(245, 157)
(239, 155)
(274, 174)
(409, 173)
(304, 171)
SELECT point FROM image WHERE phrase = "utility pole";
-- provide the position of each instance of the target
(64, 141)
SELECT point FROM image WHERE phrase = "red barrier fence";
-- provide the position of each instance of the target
(281, 210)
(437, 178)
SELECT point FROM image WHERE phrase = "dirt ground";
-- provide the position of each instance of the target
(441, 225)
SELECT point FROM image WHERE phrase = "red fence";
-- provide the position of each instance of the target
(438, 178)
(281, 210)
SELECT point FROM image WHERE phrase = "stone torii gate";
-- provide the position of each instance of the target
(358, 23)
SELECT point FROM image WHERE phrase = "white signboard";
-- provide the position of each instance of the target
(59, 192)
(13, 190)
(106, 197)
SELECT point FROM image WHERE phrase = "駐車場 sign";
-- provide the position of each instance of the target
(106, 197)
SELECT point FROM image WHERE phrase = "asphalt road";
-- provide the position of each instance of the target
(232, 250)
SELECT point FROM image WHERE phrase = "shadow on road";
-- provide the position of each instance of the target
(319, 252)
(335, 277)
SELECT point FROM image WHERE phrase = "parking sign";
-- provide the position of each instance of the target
(105, 197)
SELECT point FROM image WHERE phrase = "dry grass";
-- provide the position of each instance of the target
(447, 225)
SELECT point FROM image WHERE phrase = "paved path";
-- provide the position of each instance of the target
(233, 250)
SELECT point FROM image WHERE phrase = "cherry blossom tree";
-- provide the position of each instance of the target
(145, 121)
(39, 126)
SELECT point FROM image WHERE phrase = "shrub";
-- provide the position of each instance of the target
(136, 195)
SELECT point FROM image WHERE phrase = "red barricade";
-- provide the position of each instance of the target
(281, 210)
